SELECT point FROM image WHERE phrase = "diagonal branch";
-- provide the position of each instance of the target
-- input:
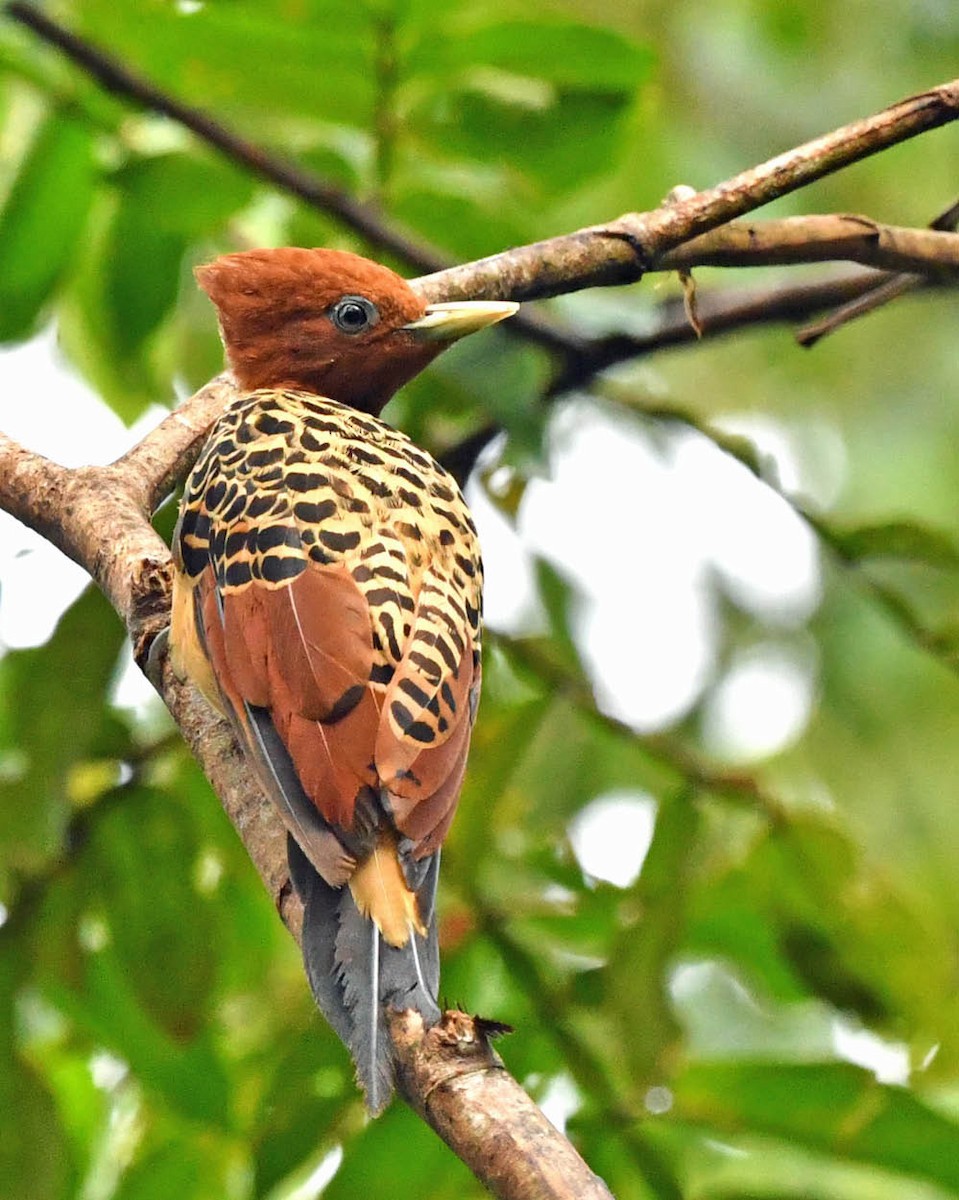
(720, 311)
(888, 287)
(638, 241)
(621, 251)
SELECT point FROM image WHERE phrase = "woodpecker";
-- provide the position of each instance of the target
(327, 600)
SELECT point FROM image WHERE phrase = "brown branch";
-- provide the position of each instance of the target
(819, 239)
(164, 456)
(888, 287)
(720, 311)
(622, 250)
(544, 268)
(580, 355)
(458, 1085)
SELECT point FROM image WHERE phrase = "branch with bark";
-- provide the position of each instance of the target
(100, 516)
(647, 234)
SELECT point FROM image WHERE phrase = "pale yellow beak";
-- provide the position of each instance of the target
(457, 318)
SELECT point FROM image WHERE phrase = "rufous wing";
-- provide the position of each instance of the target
(302, 652)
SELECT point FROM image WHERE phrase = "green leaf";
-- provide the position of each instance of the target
(128, 373)
(34, 1154)
(639, 960)
(629, 1163)
(566, 54)
(469, 226)
(804, 917)
(128, 958)
(163, 202)
(105, 1007)
(422, 1170)
(244, 61)
(145, 837)
(560, 599)
(836, 1109)
(545, 99)
(53, 698)
(899, 539)
(311, 1083)
(35, 1161)
(550, 147)
(141, 277)
(183, 193)
(42, 221)
(191, 1168)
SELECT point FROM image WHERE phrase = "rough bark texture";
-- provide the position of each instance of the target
(457, 1083)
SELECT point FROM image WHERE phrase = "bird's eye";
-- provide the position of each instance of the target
(354, 314)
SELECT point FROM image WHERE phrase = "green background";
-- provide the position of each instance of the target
(156, 1034)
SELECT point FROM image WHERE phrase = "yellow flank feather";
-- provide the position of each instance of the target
(187, 656)
(380, 892)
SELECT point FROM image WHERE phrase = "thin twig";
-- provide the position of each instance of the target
(815, 238)
(888, 287)
(721, 311)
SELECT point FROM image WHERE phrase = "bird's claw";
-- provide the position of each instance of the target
(156, 657)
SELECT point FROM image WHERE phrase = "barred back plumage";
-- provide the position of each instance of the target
(328, 597)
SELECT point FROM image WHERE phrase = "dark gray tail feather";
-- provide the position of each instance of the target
(300, 815)
(356, 976)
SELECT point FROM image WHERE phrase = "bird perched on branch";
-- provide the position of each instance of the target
(327, 598)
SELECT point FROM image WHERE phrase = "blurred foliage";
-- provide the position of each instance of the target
(157, 1037)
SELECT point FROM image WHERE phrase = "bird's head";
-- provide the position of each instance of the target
(330, 322)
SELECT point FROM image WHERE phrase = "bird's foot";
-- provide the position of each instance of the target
(156, 657)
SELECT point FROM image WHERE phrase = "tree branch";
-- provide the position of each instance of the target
(542, 269)
(458, 1085)
(720, 311)
(887, 288)
(819, 239)
(621, 251)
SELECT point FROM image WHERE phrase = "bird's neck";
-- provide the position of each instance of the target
(319, 382)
